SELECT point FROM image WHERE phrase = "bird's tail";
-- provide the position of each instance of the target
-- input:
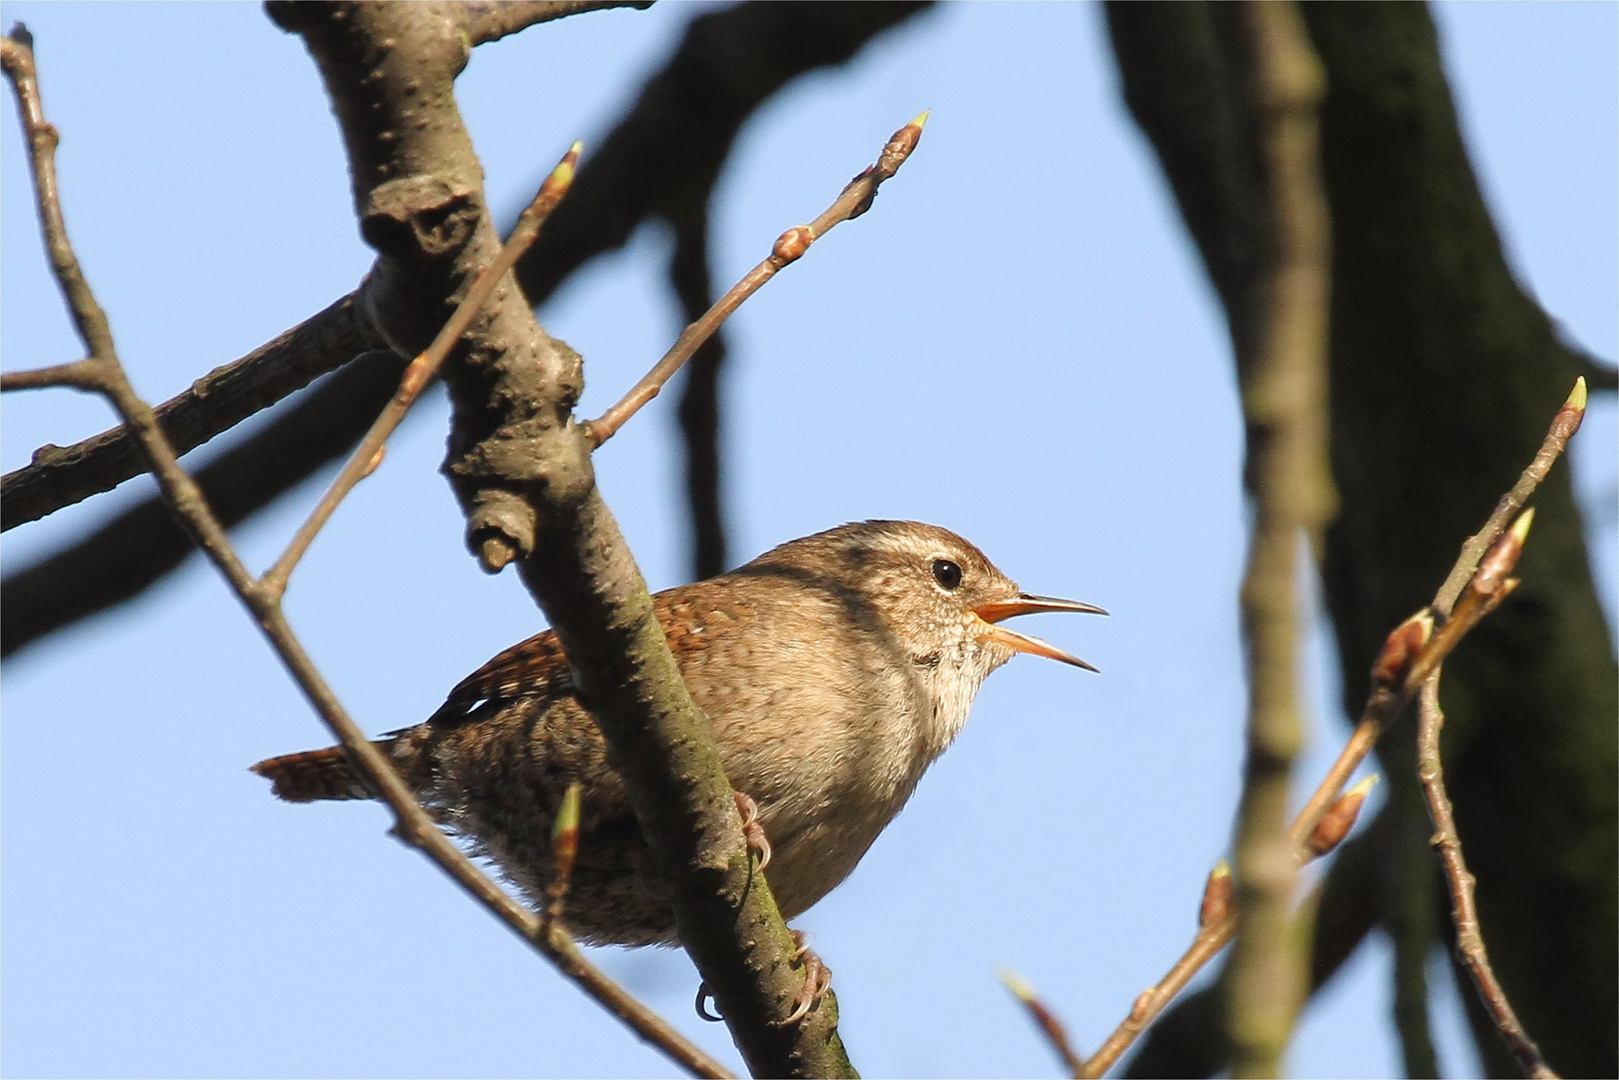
(314, 775)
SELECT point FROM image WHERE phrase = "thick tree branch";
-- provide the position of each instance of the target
(521, 468)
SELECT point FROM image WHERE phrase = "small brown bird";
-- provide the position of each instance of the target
(834, 669)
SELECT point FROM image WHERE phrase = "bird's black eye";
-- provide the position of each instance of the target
(946, 573)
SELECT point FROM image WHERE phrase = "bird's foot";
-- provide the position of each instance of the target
(752, 831)
(817, 980)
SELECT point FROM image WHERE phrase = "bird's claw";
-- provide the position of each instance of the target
(752, 831)
(817, 980)
(704, 996)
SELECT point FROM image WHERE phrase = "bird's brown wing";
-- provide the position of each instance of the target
(533, 668)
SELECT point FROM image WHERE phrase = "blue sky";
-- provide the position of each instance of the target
(1017, 343)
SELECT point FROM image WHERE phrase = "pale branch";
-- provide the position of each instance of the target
(105, 374)
(60, 476)
(1411, 653)
(855, 199)
(79, 374)
(422, 370)
(521, 468)
(491, 20)
(1284, 404)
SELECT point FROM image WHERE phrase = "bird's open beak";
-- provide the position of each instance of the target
(1025, 604)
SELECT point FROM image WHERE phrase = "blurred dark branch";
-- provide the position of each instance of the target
(659, 161)
(138, 547)
(690, 277)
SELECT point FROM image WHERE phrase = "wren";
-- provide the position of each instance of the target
(834, 670)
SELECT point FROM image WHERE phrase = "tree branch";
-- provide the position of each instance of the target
(699, 412)
(1491, 578)
(665, 154)
(61, 476)
(105, 374)
(854, 200)
(1411, 653)
(491, 20)
(521, 469)
(1284, 404)
(136, 548)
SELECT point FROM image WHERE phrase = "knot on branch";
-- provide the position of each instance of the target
(500, 528)
(418, 217)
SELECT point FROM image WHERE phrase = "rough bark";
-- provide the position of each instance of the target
(520, 467)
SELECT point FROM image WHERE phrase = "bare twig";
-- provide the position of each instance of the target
(854, 200)
(1481, 594)
(413, 823)
(1412, 653)
(365, 457)
(60, 476)
(135, 548)
(82, 374)
(1045, 1019)
(1564, 425)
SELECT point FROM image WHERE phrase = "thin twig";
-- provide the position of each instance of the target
(1413, 652)
(854, 200)
(1484, 592)
(59, 476)
(1469, 941)
(412, 823)
(1564, 425)
(1044, 1019)
(83, 374)
(363, 461)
